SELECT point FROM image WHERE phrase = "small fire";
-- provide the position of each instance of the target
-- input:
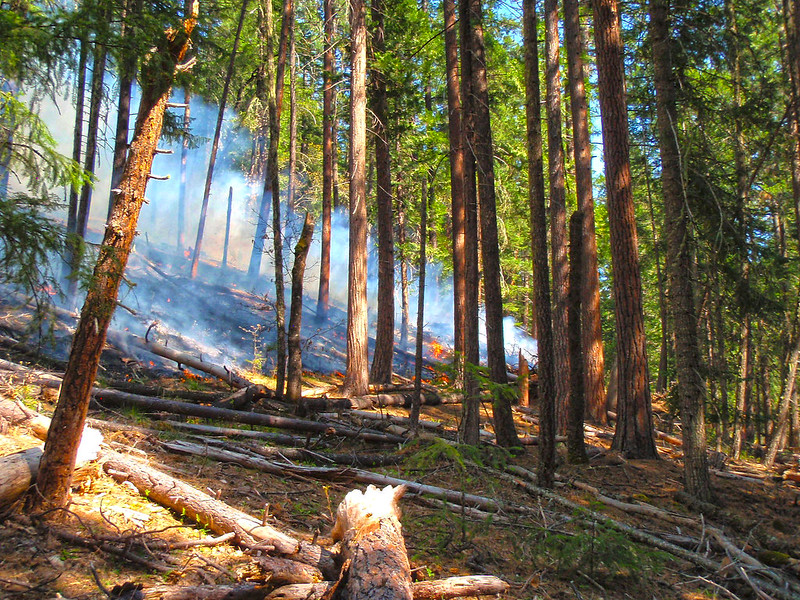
(169, 299)
(437, 350)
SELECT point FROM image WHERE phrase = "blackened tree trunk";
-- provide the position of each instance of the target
(384, 334)
(323, 294)
(558, 213)
(454, 129)
(591, 333)
(55, 470)
(634, 430)
(470, 421)
(357, 370)
(680, 246)
(490, 250)
(275, 185)
(541, 269)
(294, 370)
(212, 160)
(576, 449)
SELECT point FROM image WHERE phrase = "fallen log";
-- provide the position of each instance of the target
(214, 514)
(437, 589)
(326, 404)
(376, 564)
(247, 591)
(229, 375)
(287, 572)
(405, 421)
(270, 436)
(114, 397)
(343, 474)
(18, 471)
(243, 398)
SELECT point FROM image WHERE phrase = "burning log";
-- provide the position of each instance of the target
(214, 514)
(376, 564)
(222, 372)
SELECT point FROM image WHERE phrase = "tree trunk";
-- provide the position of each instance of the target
(404, 303)
(680, 245)
(291, 192)
(376, 563)
(227, 229)
(781, 431)
(634, 430)
(58, 461)
(180, 238)
(456, 156)
(357, 369)
(437, 589)
(212, 160)
(490, 249)
(558, 215)
(295, 363)
(274, 182)
(591, 332)
(470, 421)
(575, 446)
(265, 88)
(742, 391)
(423, 238)
(383, 355)
(73, 244)
(323, 295)
(541, 270)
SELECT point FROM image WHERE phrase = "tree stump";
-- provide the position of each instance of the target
(376, 565)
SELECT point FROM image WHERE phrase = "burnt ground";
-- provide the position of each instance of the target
(541, 548)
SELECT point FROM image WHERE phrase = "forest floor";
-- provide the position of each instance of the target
(542, 547)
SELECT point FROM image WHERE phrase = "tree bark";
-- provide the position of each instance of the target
(274, 182)
(214, 514)
(212, 160)
(558, 215)
(591, 331)
(58, 461)
(541, 270)
(323, 294)
(416, 401)
(490, 248)
(470, 422)
(437, 589)
(457, 190)
(743, 390)
(383, 356)
(295, 364)
(634, 430)
(357, 368)
(575, 446)
(680, 245)
(376, 563)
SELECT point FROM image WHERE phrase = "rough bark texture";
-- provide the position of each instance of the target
(217, 516)
(376, 563)
(575, 446)
(383, 355)
(490, 249)
(357, 368)
(275, 183)
(17, 473)
(634, 431)
(470, 422)
(438, 589)
(541, 270)
(323, 293)
(58, 461)
(680, 246)
(456, 156)
(295, 364)
(558, 214)
(591, 331)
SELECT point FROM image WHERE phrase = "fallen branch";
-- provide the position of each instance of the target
(216, 515)
(341, 474)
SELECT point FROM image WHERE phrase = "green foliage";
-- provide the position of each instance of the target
(599, 551)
